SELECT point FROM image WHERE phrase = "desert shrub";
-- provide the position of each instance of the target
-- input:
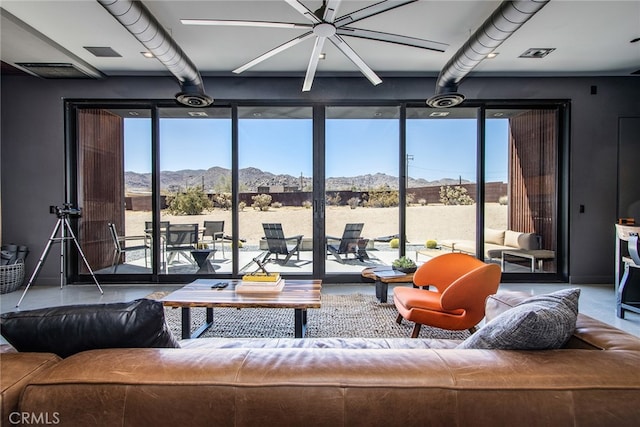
(276, 205)
(261, 202)
(422, 202)
(410, 198)
(394, 243)
(334, 201)
(431, 244)
(307, 204)
(223, 200)
(241, 206)
(353, 202)
(383, 198)
(192, 202)
(456, 195)
(503, 200)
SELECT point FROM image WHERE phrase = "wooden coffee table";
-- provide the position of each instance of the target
(383, 276)
(297, 294)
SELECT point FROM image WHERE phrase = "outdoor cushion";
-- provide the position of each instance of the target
(494, 236)
(67, 330)
(538, 323)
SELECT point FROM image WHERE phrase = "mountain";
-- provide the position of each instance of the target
(217, 179)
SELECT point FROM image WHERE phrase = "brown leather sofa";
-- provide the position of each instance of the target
(594, 381)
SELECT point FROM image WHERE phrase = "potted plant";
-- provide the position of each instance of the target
(404, 264)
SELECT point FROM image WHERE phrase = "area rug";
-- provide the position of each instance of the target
(353, 315)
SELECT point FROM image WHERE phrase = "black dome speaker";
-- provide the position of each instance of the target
(445, 100)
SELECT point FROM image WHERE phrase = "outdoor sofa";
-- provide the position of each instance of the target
(593, 380)
(495, 242)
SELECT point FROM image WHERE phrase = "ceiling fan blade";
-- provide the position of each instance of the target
(353, 56)
(368, 11)
(331, 9)
(313, 63)
(392, 38)
(304, 10)
(274, 51)
(237, 23)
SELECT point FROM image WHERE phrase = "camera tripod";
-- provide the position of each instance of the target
(63, 226)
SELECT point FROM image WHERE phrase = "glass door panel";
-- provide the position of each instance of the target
(441, 181)
(114, 189)
(195, 191)
(275, 159)
(361, 187)
(520, 188)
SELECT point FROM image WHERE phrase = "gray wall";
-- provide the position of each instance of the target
(32, 148)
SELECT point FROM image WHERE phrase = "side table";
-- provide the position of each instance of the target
(536, 256)
(201, 256)
(384, 276)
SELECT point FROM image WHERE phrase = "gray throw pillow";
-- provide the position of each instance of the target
(537, 323)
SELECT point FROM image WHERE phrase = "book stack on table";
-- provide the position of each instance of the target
(260, 282)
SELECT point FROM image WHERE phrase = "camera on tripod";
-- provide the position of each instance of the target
(65, 210)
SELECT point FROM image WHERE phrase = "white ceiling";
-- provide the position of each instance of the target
(589, 37)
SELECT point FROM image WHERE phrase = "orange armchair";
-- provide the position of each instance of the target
(462, 284)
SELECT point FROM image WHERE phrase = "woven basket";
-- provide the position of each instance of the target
(11, 277)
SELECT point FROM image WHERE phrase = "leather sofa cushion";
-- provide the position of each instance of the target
(18, 370)
(538, 323)
(67, 330)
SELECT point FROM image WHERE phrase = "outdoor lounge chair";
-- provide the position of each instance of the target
(349, 243)
(279, 244)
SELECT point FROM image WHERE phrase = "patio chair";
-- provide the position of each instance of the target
(278, 244)
(349, 243)
(120, 246)
(215, 230)
(180, 239)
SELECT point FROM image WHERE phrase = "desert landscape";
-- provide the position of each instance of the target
(433, 221)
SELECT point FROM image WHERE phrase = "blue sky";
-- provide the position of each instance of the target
(439, 148)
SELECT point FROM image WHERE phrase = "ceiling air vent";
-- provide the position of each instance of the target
(103, 52)
(537, 52)
(54, 70)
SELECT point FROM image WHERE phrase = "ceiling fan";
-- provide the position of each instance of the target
(325, 24)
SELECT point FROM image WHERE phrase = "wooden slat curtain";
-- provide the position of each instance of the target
(533, 174)
(100, 183)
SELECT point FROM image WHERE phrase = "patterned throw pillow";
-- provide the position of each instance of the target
(537, 323)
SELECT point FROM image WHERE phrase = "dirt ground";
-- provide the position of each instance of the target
(423, 222)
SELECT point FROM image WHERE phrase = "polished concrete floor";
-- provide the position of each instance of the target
(597, 301)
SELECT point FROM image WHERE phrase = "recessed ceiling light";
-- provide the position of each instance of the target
(323, 56)
(134, 113)
(257, 114)
(147, 54)
(498, 114)
(492, 55)
(439, 114)
(198, 114)
(537, 52)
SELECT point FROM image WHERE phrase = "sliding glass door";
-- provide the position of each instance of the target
(361, 187)
(195, 188)
(521, 181)
(441, 184)
(275, 146)
(192, 194)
